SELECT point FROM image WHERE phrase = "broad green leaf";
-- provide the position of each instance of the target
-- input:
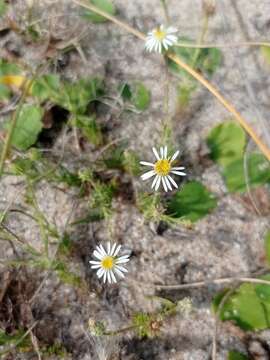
(258, 173)
(248, 307)
(192, 202)
(7, 68)
(28, 127)
(104, 5)
(204, 60)
(89, 128)
(265, 50)
(262, 290)
(267, 246)
(47, 87)
(78, 95)
(226, 142)
(140, 96)
(235, 355)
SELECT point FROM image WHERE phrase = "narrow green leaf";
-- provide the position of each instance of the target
(28, 127)
(140, 96)
(104, 5)
(192, 202)
(226, 142)
(90, 128)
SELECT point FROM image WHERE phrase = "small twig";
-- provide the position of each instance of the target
(225, 46)
(212, 281)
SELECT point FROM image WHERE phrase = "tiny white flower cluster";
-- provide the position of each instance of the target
(160, 38)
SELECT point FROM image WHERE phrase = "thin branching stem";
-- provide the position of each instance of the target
(213, 281)
(265, 150)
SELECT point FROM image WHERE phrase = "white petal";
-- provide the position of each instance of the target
(121, 268)
(157, 183)
(101, 250)
(172, 181)
(95, 266)
(178, 168)
(164, 184)
(148, 175)
(121, 260)
(109, 276)
(108, 248)
(100, 272)
(159, 47)
(98, 255)
(112, 249)
(178, 173)
(156, 153)
(113, 277)
(119, 273)
(172, 38)
(146, 163)
(175, 155)
(104, 276)
(161, 151)
(154, 182)
(171, 30)
(117, 250)
(94, 262)
(168, 183)
(165, 152)
(165, 45)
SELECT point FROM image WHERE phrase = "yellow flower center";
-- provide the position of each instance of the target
(107, 263)
(160, 34)
(162, 167)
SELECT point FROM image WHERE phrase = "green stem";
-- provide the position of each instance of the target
(26, 88)
(200, 40)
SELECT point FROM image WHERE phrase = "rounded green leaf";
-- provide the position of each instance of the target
(28, 127)
(192, 202)
(226, 143)
(104, 5)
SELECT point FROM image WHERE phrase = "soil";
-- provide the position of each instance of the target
(226, 243)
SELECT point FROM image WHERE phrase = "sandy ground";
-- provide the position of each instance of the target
(226, 243)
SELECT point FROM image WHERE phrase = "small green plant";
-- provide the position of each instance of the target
(227, 143)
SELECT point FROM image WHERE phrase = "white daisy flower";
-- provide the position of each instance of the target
(109, 264)
(162, 169)
(160, 38)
